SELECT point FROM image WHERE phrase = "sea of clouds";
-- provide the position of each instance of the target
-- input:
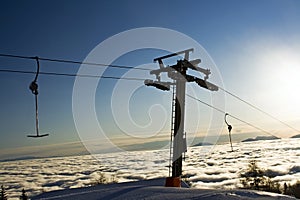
(213, 167)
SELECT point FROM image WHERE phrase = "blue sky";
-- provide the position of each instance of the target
(253, 43)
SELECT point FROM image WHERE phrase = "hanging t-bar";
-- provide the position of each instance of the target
(229, 130)
(34, 89)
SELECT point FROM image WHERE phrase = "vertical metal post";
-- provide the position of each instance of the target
(178, 145)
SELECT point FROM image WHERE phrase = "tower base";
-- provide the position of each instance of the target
(173, 182)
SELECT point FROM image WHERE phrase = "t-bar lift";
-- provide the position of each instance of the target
(34, 89)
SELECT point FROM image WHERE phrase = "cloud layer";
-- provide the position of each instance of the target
(218, 168)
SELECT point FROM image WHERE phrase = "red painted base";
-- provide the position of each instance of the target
(173, 182)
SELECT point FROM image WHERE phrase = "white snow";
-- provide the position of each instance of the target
(149, 190)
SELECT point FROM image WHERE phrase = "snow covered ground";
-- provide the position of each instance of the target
(152, 189)
(215, 168)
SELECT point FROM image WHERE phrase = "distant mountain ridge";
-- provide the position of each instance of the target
(296, 136)
(258, 138)
(202, 144)
(20, 158)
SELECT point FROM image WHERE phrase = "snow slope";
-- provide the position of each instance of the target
(152, 189)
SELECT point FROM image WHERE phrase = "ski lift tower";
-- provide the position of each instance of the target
(179, 76)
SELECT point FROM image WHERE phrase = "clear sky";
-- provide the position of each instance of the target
(254, 44)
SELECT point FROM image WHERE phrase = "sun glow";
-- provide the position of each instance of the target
(282, 80)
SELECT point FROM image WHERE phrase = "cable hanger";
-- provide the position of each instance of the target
(229, 130)
(34, 89)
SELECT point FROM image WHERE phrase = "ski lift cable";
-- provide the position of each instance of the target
(70, 75)
(136, 68)
(234, 117)
(74, 62)
(260, 110)
(95, 76)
